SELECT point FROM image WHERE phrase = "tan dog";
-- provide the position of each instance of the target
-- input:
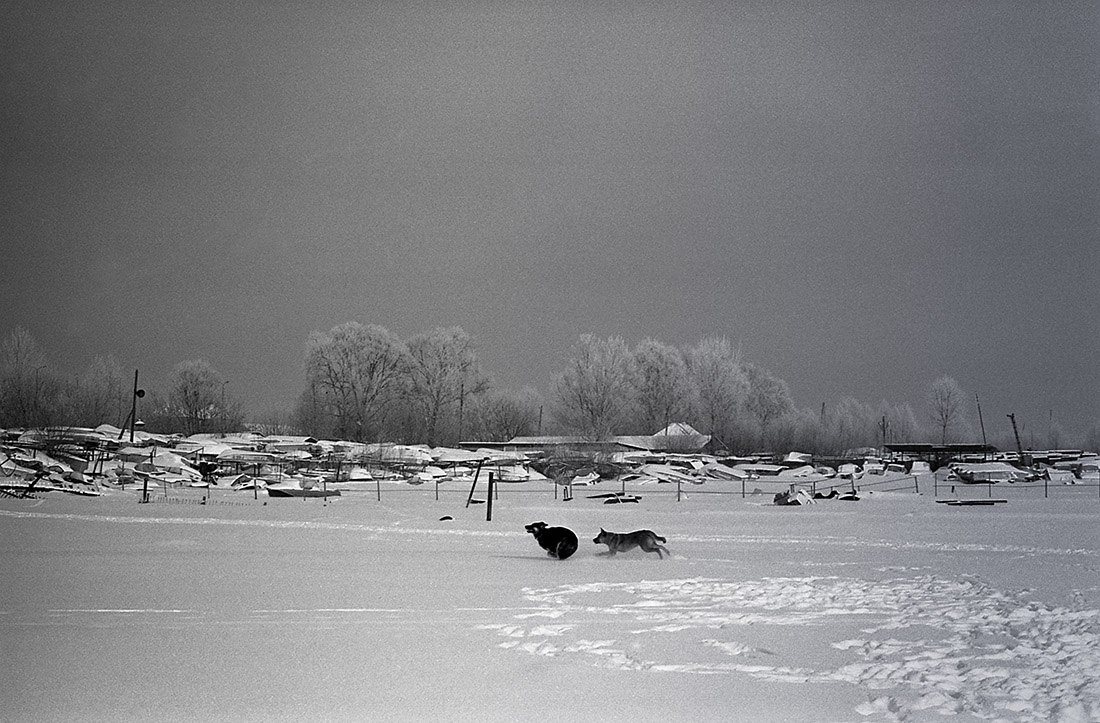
(623, 541)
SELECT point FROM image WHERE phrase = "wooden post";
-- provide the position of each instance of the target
(742, 488)
(477, 472)
(378, 489)
(489, 500)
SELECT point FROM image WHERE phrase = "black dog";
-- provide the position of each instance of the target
(559, 542)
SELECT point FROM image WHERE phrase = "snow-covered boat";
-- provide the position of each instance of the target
(299, 492)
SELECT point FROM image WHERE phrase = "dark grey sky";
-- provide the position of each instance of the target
(865, 195)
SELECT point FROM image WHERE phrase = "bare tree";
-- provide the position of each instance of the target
(720, 386)
(28, 390)
(946, 400)
(355, 374)
(444, 373)
(663, 389)
(594, 396)
(1090, 441)
(197, 398)
(503, 414)
(99, 394)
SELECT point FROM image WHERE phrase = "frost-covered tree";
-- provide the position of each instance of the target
(663, 388)
(594, 396)
(355, 374)
(946, 401)
(850, 423)
(719, 386)
(902, 424)
(769, 398)
(443, 373)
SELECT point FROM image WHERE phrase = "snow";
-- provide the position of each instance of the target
(891, 608)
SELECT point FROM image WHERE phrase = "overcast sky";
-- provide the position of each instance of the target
(865, 195)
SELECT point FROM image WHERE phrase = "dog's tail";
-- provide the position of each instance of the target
(658, 537)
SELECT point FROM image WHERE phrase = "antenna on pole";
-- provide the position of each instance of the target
(980, 421)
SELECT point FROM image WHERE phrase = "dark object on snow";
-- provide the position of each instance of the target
(559, 542)
(786, 499)
(849, 497)
(614, 498)
(444, 518)
(821, 496)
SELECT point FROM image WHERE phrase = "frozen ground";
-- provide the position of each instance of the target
(891, 608)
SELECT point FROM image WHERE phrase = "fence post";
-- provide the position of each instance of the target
(489, 500)
(742, 488)
(1046, 483)
(677, 490)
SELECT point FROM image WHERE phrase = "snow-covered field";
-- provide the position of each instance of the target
(890, 608)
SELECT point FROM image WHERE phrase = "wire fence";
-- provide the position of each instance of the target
(1034, 489)
(623, 491)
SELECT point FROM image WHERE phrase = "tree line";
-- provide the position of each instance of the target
(363, 383)
(33, 395)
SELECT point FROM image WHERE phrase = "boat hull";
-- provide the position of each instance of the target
(277, 492)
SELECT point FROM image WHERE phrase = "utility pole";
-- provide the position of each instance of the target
(132, 418)
(133, 406)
